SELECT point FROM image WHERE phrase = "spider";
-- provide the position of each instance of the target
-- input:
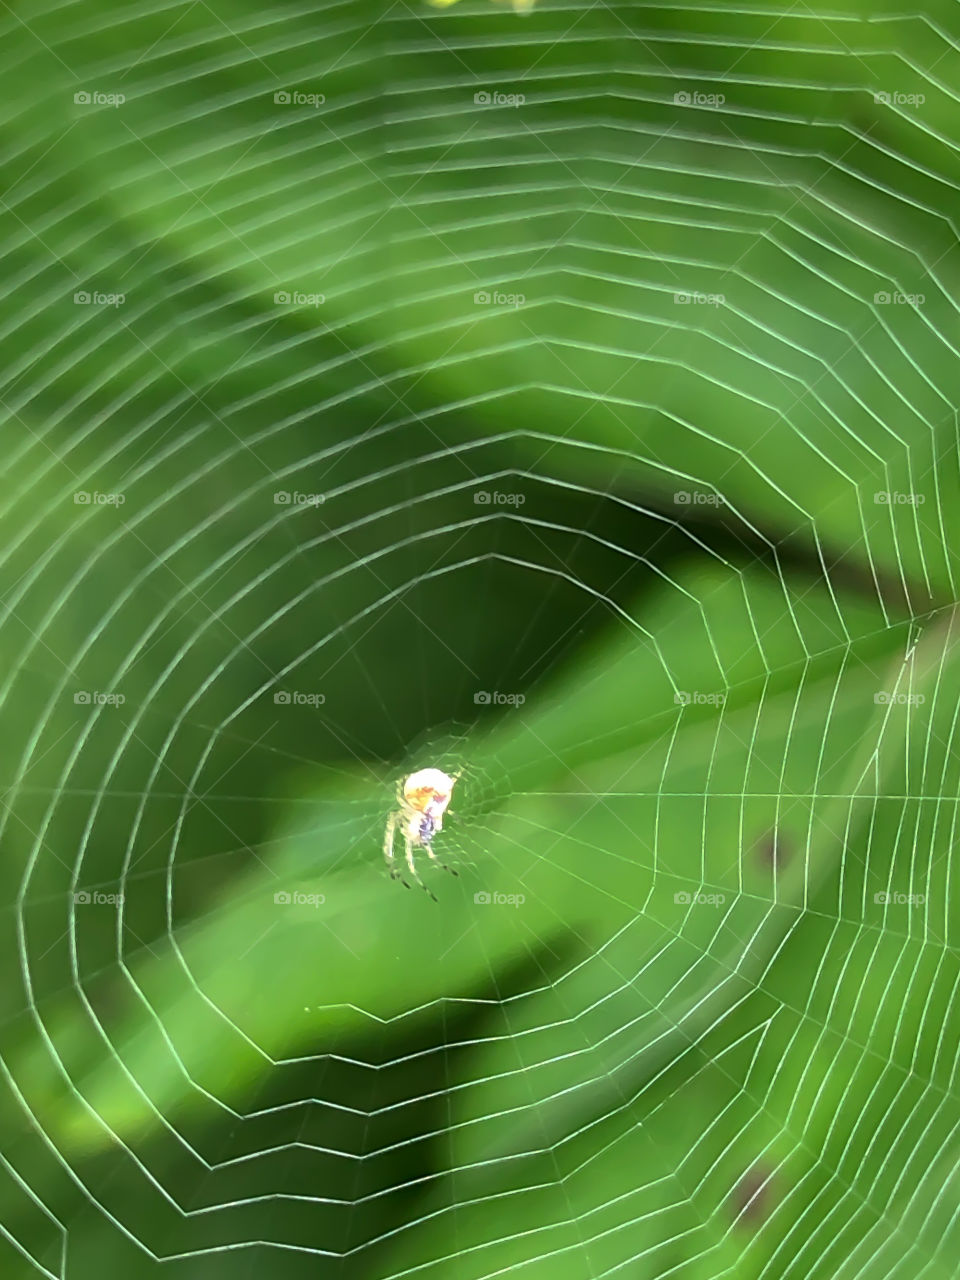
(422, 799)
(521, 6)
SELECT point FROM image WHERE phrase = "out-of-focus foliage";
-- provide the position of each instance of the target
(699, 397)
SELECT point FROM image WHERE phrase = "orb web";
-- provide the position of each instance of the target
(568, 397)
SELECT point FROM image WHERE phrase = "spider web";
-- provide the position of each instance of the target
(566, 398)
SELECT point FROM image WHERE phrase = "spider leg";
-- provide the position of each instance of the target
(412, 865)
(452, 813)
(449, 813)
(392, 823)
(431, 854)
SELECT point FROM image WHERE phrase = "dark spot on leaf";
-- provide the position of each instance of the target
(753, 1196)
(774, 849)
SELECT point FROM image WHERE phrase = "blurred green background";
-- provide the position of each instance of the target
(568, 398)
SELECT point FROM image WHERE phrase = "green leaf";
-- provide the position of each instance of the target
(608, 760)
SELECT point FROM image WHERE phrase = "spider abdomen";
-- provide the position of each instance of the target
(422, 799)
